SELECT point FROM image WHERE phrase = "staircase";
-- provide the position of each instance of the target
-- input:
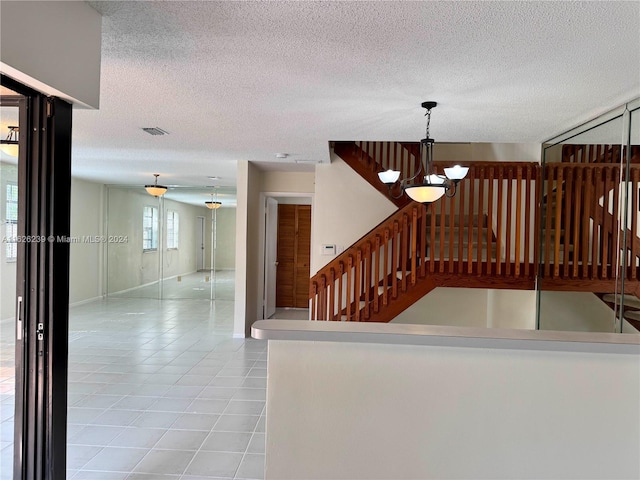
(484, 237)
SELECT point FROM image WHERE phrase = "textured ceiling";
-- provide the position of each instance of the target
(246, 80)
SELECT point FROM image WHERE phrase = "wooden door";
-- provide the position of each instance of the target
(294, 255)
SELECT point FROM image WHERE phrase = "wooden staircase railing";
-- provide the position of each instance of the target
(580, 230)
(482, 236)
(603, 153)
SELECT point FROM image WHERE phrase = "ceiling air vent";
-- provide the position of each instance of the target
(155, 131)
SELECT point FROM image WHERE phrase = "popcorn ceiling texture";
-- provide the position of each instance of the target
(244, 80)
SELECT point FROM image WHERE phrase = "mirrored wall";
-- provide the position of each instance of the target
(170, 247)
(589, 235)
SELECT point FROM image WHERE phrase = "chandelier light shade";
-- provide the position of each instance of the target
(433, 186)
(10, 144)
(211, 205)
(155, 189)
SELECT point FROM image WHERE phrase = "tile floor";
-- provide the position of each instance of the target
(157, 390)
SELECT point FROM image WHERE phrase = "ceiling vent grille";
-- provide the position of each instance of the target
(155, 131)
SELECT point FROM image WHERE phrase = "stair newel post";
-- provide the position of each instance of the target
(480, 217)
(518, 220)
(462, 186)
(423, 241)
(358, 284)
(376, 275)
(605, 224)
(404, 242)
(395, 252)
(470, 217)
(509, 222)
(432, 239)
(385, 268)
(414, 244)
(577, 227)
(452, 225)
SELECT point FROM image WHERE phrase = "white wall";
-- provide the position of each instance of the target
(345, 208)
(53, 47)
(86, 261)
(226, 238)
(379, 411)
(128, 266)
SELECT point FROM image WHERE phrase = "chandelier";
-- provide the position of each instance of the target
(155, 189)
(433, 186)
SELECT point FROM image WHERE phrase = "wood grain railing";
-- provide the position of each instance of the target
(603, 153)
(484, 231)
(582, 229)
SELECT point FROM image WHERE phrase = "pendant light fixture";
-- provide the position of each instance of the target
(213, 204)
(155, 189)
(434, 186)
(10, 144)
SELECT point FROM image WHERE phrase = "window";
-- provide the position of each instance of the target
(11, 221)
(172, 229)
(150, 228)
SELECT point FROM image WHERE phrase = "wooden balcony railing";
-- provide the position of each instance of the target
(508, 225)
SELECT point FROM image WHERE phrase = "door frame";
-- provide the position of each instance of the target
(262, 280)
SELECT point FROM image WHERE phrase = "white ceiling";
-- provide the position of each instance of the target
(236, 81)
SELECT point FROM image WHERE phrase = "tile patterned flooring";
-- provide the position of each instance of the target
(157, 390)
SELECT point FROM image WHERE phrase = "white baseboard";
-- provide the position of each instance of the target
(88, 300)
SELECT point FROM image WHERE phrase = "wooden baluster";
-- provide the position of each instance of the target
(376, 275)
(558, 223)
(499, 209)
(395, 251)
(366, 278)
(349, 287)
(567, 227)
(480, 215)
(527, 219)
(385, 268)
(332, 297)
(461, 224)
(576, 225)
(340, 289)
(322, 298)
(490, 223)
(357, 293)
(432, 238)
(443, 222)
(387, 164)
(404, 249)
(615, 224)
(587, 272)
(633, 262)
(518, 219)
(549, 212)
(313, 301)
(596, 255)
(508, 222)
(537, 248)
(470, 217)
(414, 244)
(423, 242)
(606, 231)
(452, 226)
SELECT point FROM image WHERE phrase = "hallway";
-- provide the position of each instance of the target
(157, 389)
